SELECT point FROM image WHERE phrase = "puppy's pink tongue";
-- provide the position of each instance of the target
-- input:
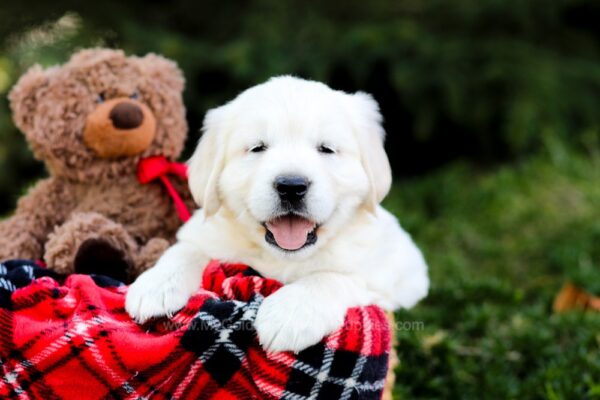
(290, 232)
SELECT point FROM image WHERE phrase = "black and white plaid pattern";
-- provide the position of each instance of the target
(220, 335)
(336, 375)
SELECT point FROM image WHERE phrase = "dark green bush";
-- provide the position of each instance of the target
(484, 79)
(500, 245)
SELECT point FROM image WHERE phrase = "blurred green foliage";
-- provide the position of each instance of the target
(491, 109)
(500, 244)
(485, 79)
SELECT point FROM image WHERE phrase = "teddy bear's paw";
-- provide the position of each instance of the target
(155, 295)
(90, 243)
(289, 320)
(98, 256)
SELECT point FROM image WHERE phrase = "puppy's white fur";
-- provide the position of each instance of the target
(362, 256)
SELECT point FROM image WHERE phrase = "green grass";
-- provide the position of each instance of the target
(500, 244)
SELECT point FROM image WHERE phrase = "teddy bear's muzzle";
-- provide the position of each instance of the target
(120, 127)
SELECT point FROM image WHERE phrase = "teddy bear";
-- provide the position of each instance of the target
(93, 121)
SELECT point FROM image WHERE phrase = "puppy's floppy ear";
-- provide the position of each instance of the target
(208, 161)
(371, 137)
(25, 95)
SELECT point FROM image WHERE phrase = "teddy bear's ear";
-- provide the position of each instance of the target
(25, 94)
(158, 68)
(94, 56)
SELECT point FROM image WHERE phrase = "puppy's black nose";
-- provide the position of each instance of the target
(291, 188)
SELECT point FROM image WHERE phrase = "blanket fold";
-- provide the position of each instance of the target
(74, 340)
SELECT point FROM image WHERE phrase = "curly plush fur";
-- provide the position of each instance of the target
(89, 198)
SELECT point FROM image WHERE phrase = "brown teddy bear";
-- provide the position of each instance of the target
(92, 121)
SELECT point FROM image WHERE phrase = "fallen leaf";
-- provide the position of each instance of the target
(572, 297)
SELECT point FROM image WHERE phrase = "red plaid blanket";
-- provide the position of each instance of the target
(75, 341)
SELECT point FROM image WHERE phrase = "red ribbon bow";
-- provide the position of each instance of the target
(158, 167)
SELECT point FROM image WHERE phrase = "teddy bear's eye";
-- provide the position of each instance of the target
(135, 95)
(101, 97)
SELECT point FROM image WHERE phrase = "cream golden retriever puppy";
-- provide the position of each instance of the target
(289, 176)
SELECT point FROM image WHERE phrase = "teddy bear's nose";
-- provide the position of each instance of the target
(126, 115)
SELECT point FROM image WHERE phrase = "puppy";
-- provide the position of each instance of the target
(290, 175)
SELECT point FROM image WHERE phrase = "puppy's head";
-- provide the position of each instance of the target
(294, 161)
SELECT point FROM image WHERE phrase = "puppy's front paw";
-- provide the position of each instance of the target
(155, 295)
(289, 320)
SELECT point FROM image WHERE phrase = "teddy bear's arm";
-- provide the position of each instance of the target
(24, 234)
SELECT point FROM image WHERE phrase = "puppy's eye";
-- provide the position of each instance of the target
(101, 98)
(259, 148)
(135, 95)
(323, 148)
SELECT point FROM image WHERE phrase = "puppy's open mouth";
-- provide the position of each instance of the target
(291, 232)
